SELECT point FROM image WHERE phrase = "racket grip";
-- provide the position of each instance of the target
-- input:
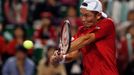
(59, 50)
(58, 53)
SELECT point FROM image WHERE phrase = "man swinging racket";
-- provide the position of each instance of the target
(95, 40)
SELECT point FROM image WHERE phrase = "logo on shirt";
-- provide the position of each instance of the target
(72, 38)
(97, 27)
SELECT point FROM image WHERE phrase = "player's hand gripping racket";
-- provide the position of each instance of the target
(65, 37)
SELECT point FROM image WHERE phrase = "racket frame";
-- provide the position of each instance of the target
(63, 25)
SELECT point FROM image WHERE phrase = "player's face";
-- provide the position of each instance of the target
(88, 17)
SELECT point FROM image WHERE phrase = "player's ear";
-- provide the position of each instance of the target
(98, 16)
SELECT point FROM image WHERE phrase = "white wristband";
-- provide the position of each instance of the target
(63, 60)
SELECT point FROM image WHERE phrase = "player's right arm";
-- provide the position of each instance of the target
(74, 49)
(72, 56)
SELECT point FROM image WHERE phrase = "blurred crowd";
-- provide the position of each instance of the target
(41, 20)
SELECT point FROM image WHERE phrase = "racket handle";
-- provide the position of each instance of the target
(59, 50)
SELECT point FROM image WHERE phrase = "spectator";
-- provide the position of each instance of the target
(73, 16)
(121, 28)
(45, 42)
(120, 10)
(47, 27)
(16, 13)
(2, 46)
(19, 36)
(124, 51)
(74, 19)
(2, 41)
(130, 16)
(48, 6)
(20, 64)
(45, 68)
(130, 66)
(41, 45)
(44, 35)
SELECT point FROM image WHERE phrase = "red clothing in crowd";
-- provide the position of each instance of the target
(11, 48)
(2, 45)
(12, 15)
(123, 54)
(69, 2)
(51, 31)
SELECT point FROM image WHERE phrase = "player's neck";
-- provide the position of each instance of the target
(100, 18)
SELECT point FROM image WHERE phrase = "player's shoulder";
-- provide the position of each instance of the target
(108, 20)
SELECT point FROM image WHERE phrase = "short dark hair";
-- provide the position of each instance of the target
(21, 48)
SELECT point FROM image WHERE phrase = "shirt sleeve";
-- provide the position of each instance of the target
(104, 30)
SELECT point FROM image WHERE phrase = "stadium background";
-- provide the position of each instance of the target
(40, 22)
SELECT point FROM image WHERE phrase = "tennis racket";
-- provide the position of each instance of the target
(65, 37)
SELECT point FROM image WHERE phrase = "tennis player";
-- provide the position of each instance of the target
(95, 40)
